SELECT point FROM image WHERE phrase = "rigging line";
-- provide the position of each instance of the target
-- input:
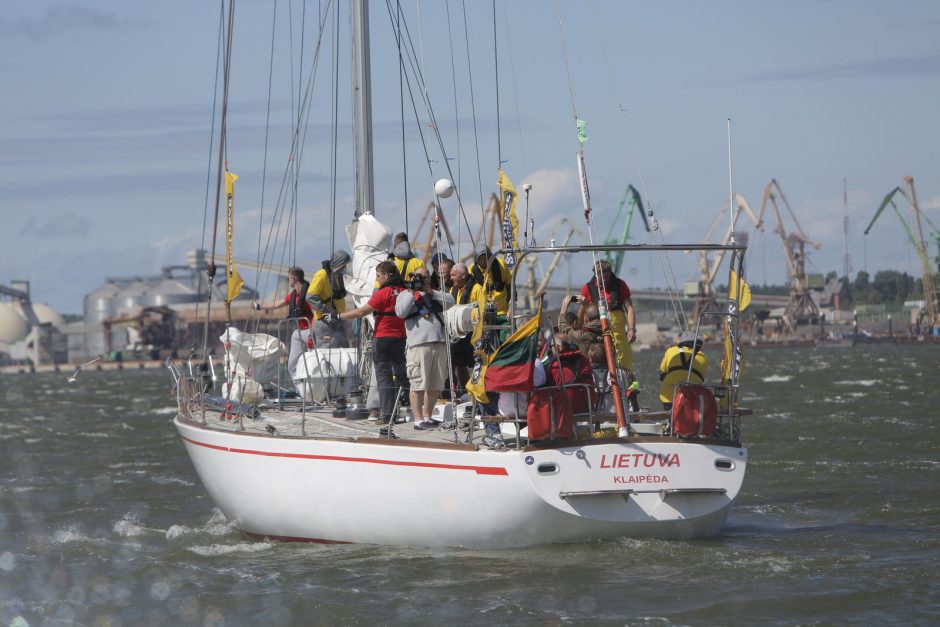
(499, 139)
(473, 109)
(401, 105)
(411, 57)
(515, 93)
(205, 211)
(334, 131)
(664, 262)
(221, 162)
(416, 72)
(267, 132)
(300, 69)
(297, 138)
(453, 83)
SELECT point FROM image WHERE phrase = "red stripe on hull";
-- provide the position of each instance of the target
(480, 470)
(258, 536)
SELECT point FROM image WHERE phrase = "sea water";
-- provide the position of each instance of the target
(103, 520)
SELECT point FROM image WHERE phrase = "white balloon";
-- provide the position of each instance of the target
(444, 188)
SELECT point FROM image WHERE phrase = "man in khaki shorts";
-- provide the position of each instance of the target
(426, 344)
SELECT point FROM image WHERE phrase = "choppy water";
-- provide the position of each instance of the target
(102, 520)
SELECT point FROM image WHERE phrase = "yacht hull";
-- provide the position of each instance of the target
(332, 490)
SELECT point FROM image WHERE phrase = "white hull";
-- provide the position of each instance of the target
(401, 493)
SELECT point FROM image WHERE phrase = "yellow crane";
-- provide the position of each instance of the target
(708, 266)
(801, 309)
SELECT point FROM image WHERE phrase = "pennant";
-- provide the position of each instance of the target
(234, 280)
(582, 131)
(511, 367)
(510, 221)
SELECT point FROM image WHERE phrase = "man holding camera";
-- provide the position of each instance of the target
(426, 349)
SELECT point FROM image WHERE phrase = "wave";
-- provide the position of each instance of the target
(164, 411)
(777, 378)
(228, 549)
(865, 382)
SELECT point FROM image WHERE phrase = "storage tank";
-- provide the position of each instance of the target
(130, 299)
(169, 292)
(44, 313)
(13, 326)
(99, 305)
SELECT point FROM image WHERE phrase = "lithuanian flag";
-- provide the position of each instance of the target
(510, 367)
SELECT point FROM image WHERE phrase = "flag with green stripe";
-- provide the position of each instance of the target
(510, 368)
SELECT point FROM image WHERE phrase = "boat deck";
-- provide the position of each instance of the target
(319, 422)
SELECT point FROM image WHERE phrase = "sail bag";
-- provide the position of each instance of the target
(694, 411)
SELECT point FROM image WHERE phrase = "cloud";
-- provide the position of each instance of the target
(61, 19)
(921, 65)
(63, 225)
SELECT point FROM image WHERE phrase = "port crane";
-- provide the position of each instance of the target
(708, 267)
(634, 202)
(533, 289)
(916, 236)
(801, 309)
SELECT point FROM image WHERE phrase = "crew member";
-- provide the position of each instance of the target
(422, 309)
(388, 341)
(327, 295)
(464, 292)
(674, 368)
(619, 305)
(298, 310)
(494, 276)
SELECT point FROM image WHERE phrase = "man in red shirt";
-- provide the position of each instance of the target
(298, 309)
(622, 316)
(388, 341)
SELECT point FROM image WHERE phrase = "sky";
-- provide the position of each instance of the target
(107, 117)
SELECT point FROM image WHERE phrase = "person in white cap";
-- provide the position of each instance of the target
(327, 298)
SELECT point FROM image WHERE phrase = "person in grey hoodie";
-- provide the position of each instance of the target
(426, 344)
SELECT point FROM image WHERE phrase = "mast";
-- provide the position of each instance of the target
(362, 107)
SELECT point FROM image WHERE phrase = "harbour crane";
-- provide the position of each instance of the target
(708, 267)
(631, 196)
(570, 229)
(801, 309)
(916, 236)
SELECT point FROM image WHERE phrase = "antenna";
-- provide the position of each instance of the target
(846, 260)
(730, 185)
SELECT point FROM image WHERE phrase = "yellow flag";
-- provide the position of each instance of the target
(732, 363)
(509, 221)
(481, 319)
(745, 300)
(235, 281)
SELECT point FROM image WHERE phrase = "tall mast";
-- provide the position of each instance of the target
(362, 107)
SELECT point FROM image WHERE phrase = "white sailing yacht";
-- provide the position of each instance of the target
(302, 471)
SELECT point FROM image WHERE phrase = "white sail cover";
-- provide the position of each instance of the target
(369, 240)
(326, 372)
(251, 355)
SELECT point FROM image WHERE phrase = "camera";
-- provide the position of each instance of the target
(416, 282)
(575, 299)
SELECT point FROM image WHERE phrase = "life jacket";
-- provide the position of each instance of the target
(462, 295)
(498, 289)
(674, 369)
(614, 302)
(297, 306)
(573, 367)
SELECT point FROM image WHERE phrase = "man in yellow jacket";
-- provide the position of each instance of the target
(494, 276)
(674, 368)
